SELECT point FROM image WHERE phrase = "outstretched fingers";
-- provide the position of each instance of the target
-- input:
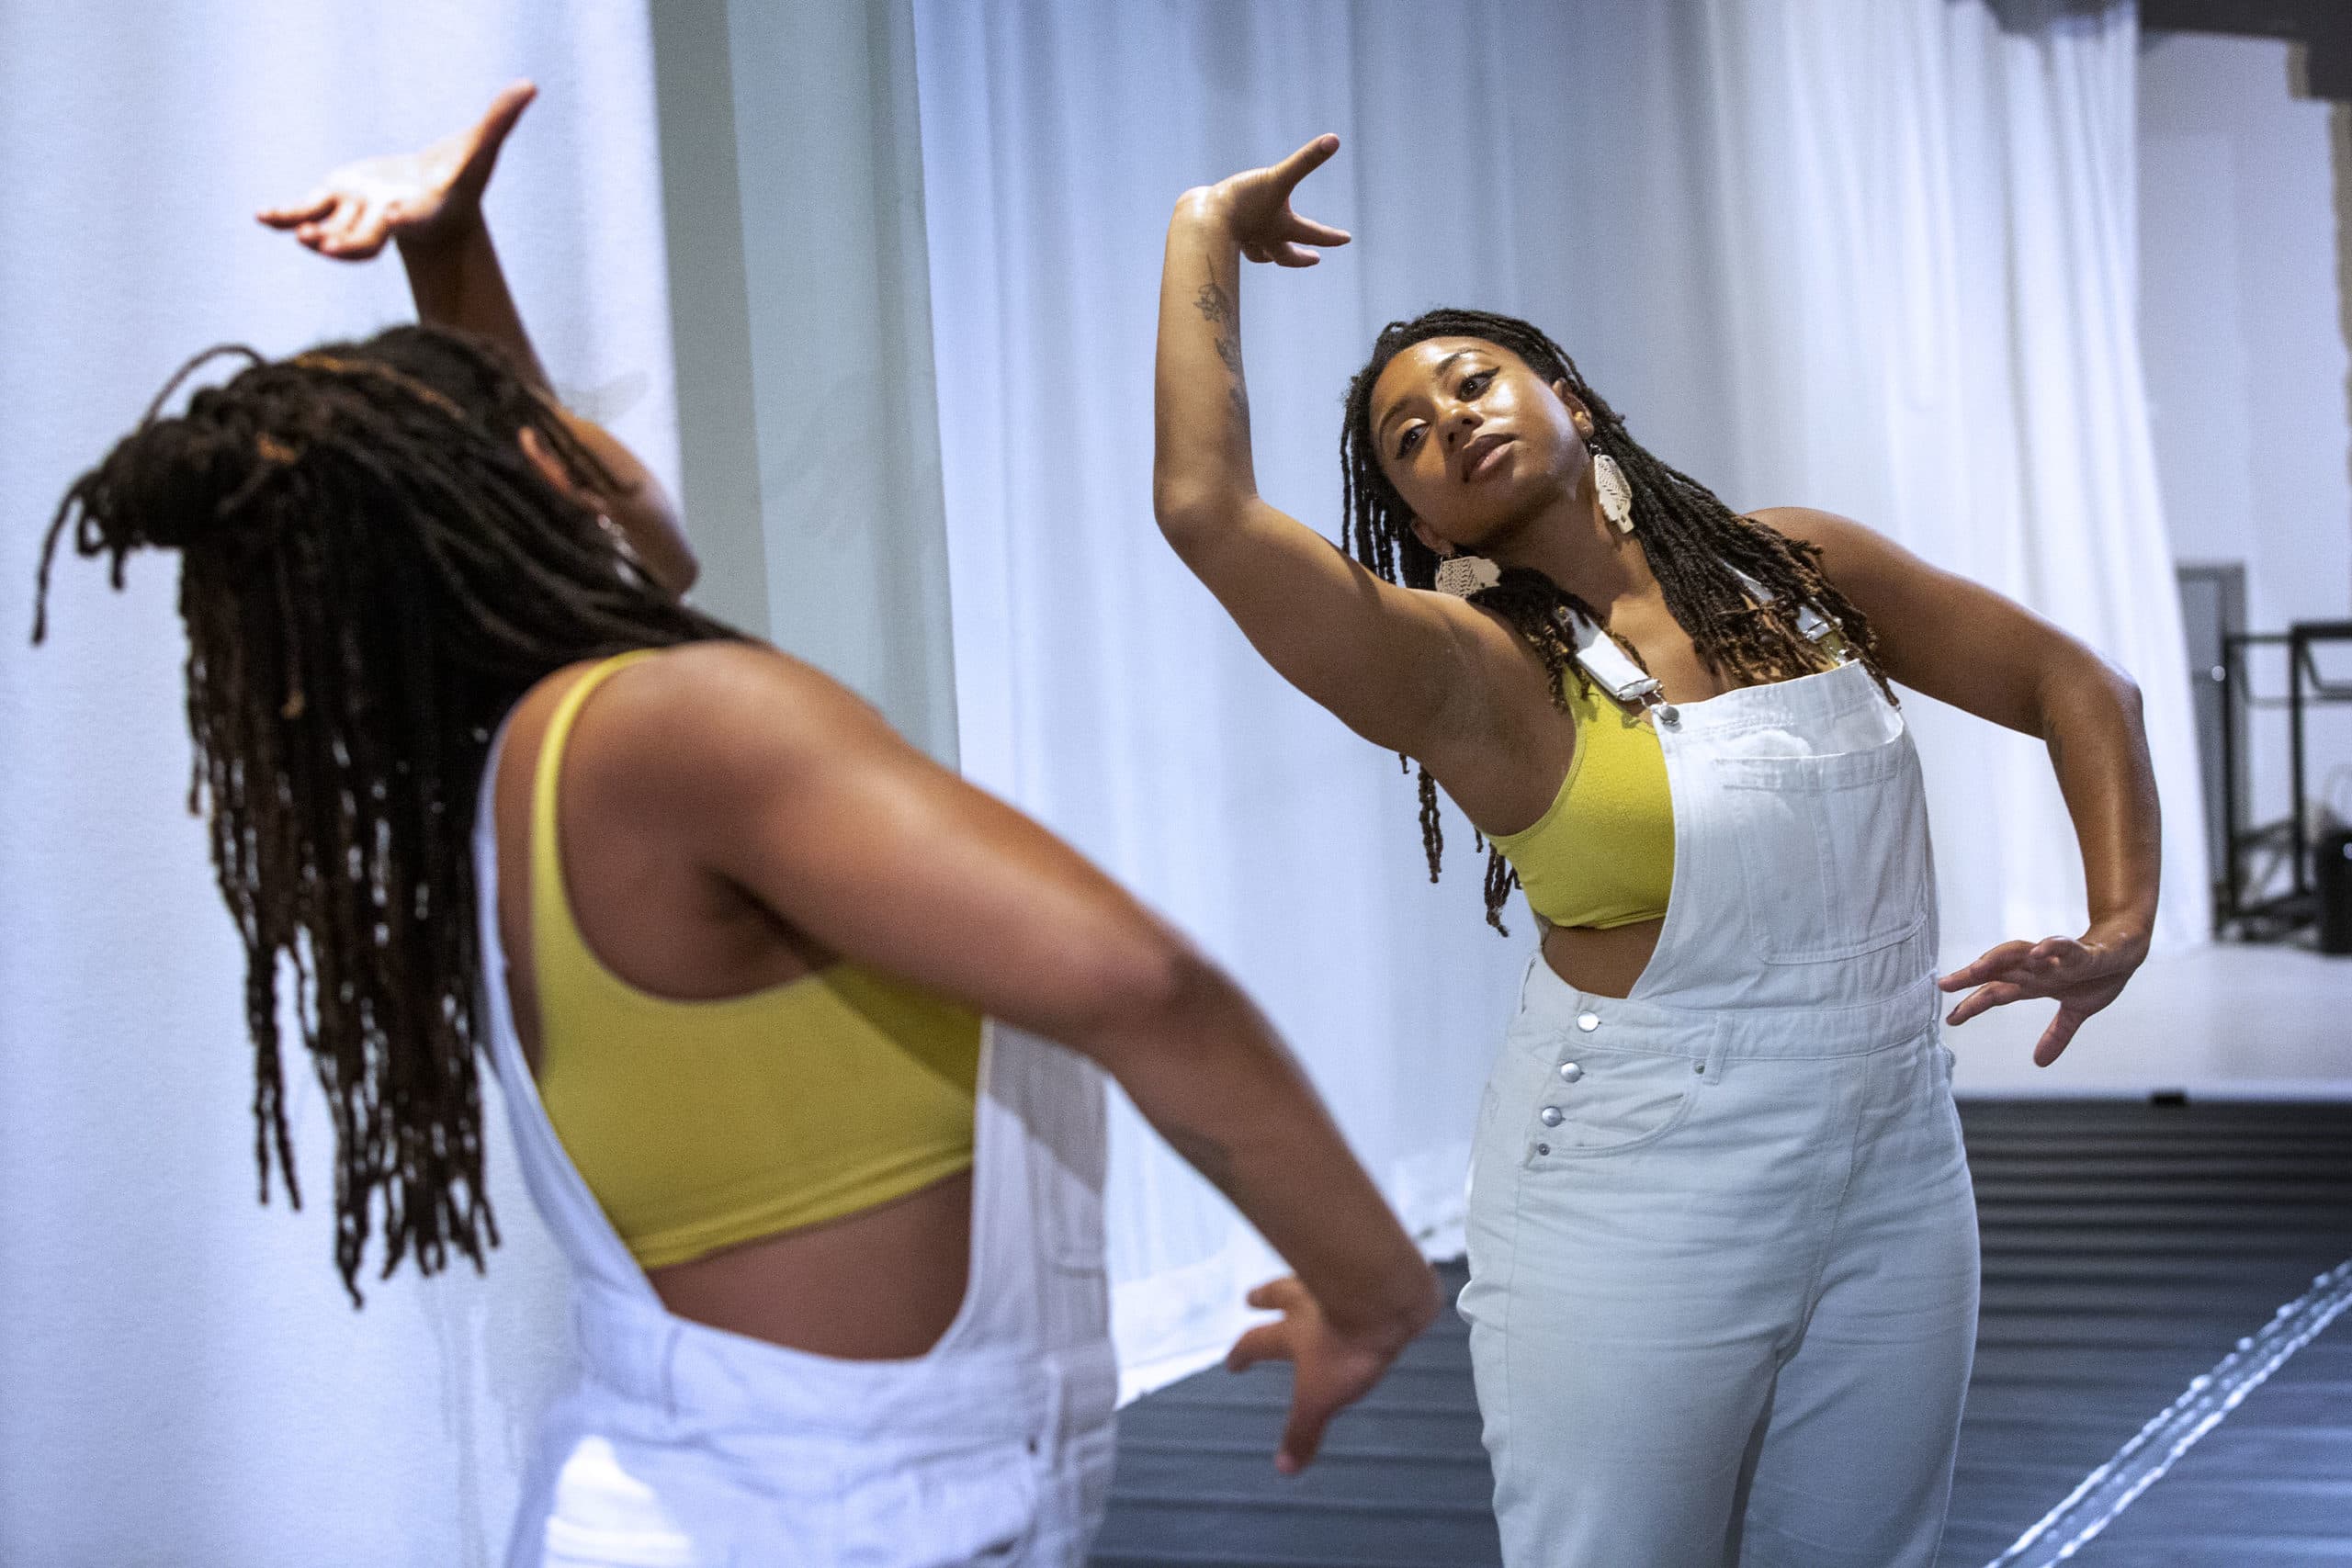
(1304, 162)
(1995, 961)
(1267, 1342)
(356, 232)
(2059, 1035)
(310, 209)
(490, 131)
(1985, 999)
(507, 107)
(1301, 1434)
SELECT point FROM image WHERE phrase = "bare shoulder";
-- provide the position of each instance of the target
(1863, 562)
(1833, 534)
(707, 719)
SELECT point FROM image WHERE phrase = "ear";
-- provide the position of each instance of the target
(551, 468)
(1430, 540)
(1578, 412)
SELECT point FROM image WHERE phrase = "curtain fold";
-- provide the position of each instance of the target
(1871, 256)
(829, 170)
(1874, 255)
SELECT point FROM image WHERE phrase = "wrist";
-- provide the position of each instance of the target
(1394, 1318)
(1203, 206)
(442, 240)
(2126, 933)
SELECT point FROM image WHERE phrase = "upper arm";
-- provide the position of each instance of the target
(641, 507)
(1397, 665)
(796, 792)
(1939, 633)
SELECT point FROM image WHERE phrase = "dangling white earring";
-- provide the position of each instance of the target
(1616, 495)
(1463, 575)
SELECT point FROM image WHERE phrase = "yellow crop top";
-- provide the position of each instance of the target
(702, 1124)
(1602, 854)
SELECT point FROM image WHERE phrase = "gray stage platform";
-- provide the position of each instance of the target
(2127, 1245)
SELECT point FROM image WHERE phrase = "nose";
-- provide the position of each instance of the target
(1461, 423)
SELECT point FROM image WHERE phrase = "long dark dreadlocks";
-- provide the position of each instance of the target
(1696, 546)
(372, 574)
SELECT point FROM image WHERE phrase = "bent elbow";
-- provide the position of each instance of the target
(1190, 518)
(1145, 981)
(1178, 508)
(1137, 995)
(2123, 690)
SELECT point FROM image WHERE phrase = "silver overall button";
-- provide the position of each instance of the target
(1588, 1022)
(1669, 715)
(1549, 1116)
(1571, 1071)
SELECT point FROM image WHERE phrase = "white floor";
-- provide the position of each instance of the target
(2224, 1021)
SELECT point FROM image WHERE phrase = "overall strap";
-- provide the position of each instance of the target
(1614, 670)
(555, 935)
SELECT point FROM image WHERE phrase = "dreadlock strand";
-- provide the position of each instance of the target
(373, 574)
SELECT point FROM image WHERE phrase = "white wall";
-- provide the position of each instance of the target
(2241, 332)
(182, 1380)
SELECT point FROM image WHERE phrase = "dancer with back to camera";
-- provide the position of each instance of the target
(768, 992)
(1723, 1246)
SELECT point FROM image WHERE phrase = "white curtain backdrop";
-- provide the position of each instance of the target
(1869, 254)
(182, 1380)
(1873, 255)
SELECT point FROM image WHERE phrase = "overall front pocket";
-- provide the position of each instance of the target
(1603, 1101)
(1833, 850)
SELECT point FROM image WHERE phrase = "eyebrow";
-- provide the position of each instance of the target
(1435, 371)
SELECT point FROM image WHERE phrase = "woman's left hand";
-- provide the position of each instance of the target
(408, 196)
(2084, 974)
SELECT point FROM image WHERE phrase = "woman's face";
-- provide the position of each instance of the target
(1474, 440)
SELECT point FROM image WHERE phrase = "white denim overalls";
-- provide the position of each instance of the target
(1723, 1242)
(676, 1444)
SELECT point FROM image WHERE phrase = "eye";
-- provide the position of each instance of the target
(1475, 383)
(1406, 442)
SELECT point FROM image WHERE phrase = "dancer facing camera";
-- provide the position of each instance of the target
(1722, 1247)
(768, 993)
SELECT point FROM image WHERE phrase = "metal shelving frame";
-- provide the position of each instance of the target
(2233, 913)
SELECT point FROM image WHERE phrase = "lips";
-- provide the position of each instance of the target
(1480, 455)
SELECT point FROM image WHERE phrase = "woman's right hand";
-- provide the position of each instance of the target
(410, 197)
(1331, 1369)
(1254, 206)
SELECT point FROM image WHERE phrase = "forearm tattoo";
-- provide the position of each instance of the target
(1216, 307)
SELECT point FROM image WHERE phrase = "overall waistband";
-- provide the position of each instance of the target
(1549, 1006)
(703, 1376)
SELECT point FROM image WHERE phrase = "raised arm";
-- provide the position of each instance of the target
(788, 786)
(1964, 644)
(429, 204)
(1389, 661)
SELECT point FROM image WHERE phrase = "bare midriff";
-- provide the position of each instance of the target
(882, 1284)
(1601, 961)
